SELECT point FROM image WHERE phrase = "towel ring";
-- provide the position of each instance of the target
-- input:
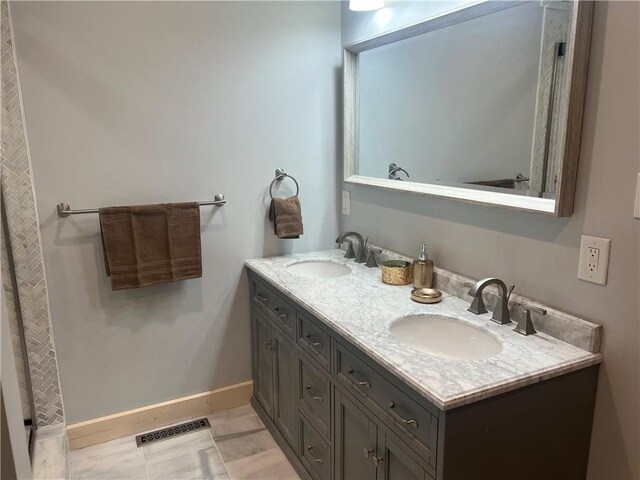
(281, 175)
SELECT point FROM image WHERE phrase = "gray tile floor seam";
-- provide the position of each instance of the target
(146, 470)
(218, 450)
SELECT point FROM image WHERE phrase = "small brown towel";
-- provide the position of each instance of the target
(149, 244)
(286, 215)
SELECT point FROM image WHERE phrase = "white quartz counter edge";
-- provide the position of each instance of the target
(265, 268)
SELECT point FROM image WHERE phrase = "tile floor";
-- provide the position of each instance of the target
(237, 447)
(50, 460)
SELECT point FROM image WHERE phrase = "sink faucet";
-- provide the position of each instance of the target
(361, 254)
(501, 313)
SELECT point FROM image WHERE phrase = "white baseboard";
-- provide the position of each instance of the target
(146, 418)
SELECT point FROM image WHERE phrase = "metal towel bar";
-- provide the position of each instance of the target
(64, 210)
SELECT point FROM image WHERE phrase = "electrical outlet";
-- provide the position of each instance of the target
(594, 259)
(593, 256)
(346, 202)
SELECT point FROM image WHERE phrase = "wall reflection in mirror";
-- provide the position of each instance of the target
(474, 104)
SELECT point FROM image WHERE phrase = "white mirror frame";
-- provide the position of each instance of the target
(570, 115)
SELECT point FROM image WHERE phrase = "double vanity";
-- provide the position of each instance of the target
(356, 381)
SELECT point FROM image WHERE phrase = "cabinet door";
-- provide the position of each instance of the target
(396, 460)
(285, 414)
(264, 346)
(355, 441)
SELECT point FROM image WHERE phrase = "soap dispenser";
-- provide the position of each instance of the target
(423, 270)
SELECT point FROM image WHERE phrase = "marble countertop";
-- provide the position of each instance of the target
(361, 308)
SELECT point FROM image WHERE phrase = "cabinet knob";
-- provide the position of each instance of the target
(269, 345)
(369, 453)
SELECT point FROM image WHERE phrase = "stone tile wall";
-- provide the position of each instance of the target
(24, 237)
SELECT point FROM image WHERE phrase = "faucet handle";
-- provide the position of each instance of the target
(350, 252)
(468, 284)
(361, 254)
(510, 290)
(371, 258)
(531, 308)
(525, 324)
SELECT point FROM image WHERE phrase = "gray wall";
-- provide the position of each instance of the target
(453, 105)
(153, 102)
(540, 254)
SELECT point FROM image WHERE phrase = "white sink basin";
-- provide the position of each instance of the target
(445, 337)
(318, 269)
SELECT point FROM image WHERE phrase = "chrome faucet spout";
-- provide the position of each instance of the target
(361, 252)
(501, 313)
(344, 236)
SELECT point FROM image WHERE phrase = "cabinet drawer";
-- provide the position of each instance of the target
(400, 412)
(315, 454)
(279, 310)
(314, 396)
(314, 341)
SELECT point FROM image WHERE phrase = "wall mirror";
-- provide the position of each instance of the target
(482, 104)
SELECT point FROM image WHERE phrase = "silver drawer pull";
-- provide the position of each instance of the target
(317, 460)
(262, 298)
(315, 344)
(411, 422)
(318, 398)
(269, 345)
(281, 315)
(362, 383)
(369, 453)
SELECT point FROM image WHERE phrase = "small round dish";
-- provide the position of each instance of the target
(426, 295)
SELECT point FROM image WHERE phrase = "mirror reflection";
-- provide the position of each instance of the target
(474, 104)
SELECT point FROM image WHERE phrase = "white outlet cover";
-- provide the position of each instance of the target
(346, 202)
(599, 274)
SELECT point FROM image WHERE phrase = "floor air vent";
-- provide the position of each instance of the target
(170, 432)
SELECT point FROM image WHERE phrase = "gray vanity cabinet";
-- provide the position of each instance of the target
(285, 400)
(355, 441)
(274, 371)
(263, 359)
(314, 397)
(338, 414)
(315, 453)
(330, 434)
(365, 449)
(394, 461)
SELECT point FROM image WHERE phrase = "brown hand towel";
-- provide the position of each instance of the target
(286, 215)
(149, 244)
